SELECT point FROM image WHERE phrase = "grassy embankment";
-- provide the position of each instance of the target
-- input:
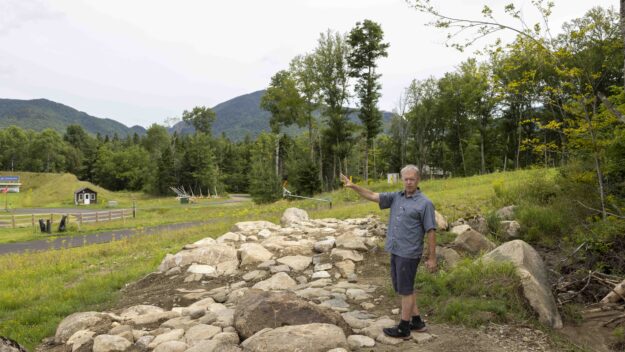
(52, 191)
(40, 289)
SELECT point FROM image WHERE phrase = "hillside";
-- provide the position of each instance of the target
(53, 190)
(39, 114)
(243, 116)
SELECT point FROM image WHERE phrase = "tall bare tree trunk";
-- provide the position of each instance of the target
(278, 155)
(483, 160)
(595, 153)
(366, 159)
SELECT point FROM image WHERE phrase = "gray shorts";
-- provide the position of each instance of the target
(403, 272)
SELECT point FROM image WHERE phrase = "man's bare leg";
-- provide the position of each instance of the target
(408, 306)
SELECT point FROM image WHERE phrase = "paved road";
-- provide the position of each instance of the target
(102, 237)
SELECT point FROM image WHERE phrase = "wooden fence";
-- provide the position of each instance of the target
(26, 220)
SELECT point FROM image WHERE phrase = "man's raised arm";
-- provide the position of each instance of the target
(363, 192)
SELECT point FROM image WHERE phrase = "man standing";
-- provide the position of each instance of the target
(412, 217)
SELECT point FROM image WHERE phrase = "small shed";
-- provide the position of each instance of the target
(85, 196)
(392, 178)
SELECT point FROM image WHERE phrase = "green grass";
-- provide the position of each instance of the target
(40, 289)
(472, 288)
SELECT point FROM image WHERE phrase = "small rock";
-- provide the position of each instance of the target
(421, 337)
(79, 338)
(110, 343)
(388, 340)
(352, 277)
(320, 275)
(322, 267)
(360, 341)
(280, 269)
(171, 346)
(168, 336)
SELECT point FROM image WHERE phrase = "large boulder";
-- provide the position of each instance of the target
(210, 255)
(292, 216)
(254, 253)
(530, 268)
(314, 337)
(441, 222)
(472, 242)
(76, 322)
(253, 227)
(258, 310)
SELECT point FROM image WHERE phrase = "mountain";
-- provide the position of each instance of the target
(243, 116)
(39, 114)
(236, 117)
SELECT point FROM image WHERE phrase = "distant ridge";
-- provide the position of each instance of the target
(243, 116)
(39, 114)
(236, 118)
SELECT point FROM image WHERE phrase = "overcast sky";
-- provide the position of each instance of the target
(142, 61)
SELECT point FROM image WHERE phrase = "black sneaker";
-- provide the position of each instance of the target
(396, 332)
(418, 327)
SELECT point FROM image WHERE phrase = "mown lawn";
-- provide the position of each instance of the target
(39, 289)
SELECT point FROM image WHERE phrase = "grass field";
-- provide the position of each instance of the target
(39, 289)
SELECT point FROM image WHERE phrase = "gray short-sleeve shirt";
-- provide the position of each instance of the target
(410, 219)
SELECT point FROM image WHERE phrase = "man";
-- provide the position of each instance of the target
(412, 217)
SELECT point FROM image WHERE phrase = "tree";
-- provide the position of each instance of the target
(333, 82)
(285, 104)
(582, 84)
(200, 117)
(14, 147)
(264, 183)
(424, 118)
(366, 47)
(302, 68)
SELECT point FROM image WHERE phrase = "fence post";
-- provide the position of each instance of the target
(96, 217)
(33, 219)
(134, 209)
(109, 215)
(79, 219)
(51, 219)
(13, 220)
(123, 219)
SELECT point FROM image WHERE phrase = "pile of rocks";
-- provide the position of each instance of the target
(292, 287)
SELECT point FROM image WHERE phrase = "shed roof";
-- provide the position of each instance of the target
(84, 189)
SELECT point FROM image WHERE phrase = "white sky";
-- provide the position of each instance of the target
(141, 61)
